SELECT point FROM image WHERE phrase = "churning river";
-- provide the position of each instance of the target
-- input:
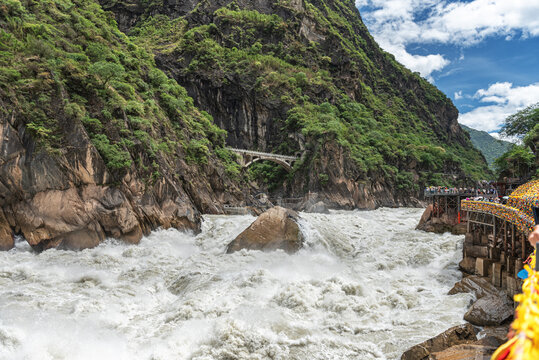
(365, 286)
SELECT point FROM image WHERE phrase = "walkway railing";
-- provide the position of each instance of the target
(263, 154)
(450, 192)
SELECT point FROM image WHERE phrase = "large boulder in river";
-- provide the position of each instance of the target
(489, 310)
(275, 229)
(461, 334)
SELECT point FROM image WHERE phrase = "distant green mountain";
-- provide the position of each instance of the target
(491, 147)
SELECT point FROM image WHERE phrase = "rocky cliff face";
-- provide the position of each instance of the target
(95, 141)
(305, 76)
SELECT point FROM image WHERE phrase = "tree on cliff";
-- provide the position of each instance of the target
(521, 160)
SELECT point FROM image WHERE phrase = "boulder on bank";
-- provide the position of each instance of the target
(461, 334)
(489, 310)
(275, 229)
(318, 208)
(477, 285)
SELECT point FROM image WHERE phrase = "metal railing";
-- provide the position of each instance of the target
(263, 154)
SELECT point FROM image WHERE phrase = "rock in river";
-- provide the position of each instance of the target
(275, 229)
(489, 310)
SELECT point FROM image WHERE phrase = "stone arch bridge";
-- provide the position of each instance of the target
(248, 157)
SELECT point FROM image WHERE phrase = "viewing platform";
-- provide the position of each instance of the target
(496, 244)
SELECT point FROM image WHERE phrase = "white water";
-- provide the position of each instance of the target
(366, 286)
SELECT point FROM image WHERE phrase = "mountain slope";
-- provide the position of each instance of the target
(98, 142)
(95, 140)
(294, 76)
(489, 146)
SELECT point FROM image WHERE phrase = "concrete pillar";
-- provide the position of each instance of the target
(497, 274)
(476, 251)
(483, 267)
(494, 253)
(512, 286)
(510, 265)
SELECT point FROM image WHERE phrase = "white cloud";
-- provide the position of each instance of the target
(394, 24)
(458, 95)
(425, 65)
(507, 100)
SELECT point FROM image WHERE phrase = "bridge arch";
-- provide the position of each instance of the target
(284, 164)
(248, 157)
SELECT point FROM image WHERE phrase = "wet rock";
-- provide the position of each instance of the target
(318, 208)
(477, 285)
(275, 229)
(493, 335)
(461, 334)
(488, 311)
(465, 352)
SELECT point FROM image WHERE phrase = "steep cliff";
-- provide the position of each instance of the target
(305, 76)
(97, 142)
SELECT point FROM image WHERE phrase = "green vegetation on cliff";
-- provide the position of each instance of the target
(319, 65)
(65, 63)
(489, 146)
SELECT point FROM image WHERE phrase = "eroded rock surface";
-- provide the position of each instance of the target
(71, 200)
(275, 229)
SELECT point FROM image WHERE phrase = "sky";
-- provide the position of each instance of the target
(483, 54)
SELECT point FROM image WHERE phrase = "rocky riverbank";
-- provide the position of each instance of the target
(447, 222)
(487, 324)
(488, 317)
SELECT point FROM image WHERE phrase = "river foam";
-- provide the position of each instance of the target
(366, 286)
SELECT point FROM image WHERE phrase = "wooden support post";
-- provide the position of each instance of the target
(494, 230)
(458, 208)
(513, 242)
(468, 219)
(505, 236)
(446, 205)
(524, 241)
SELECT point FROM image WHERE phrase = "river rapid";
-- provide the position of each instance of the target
(365, 286)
